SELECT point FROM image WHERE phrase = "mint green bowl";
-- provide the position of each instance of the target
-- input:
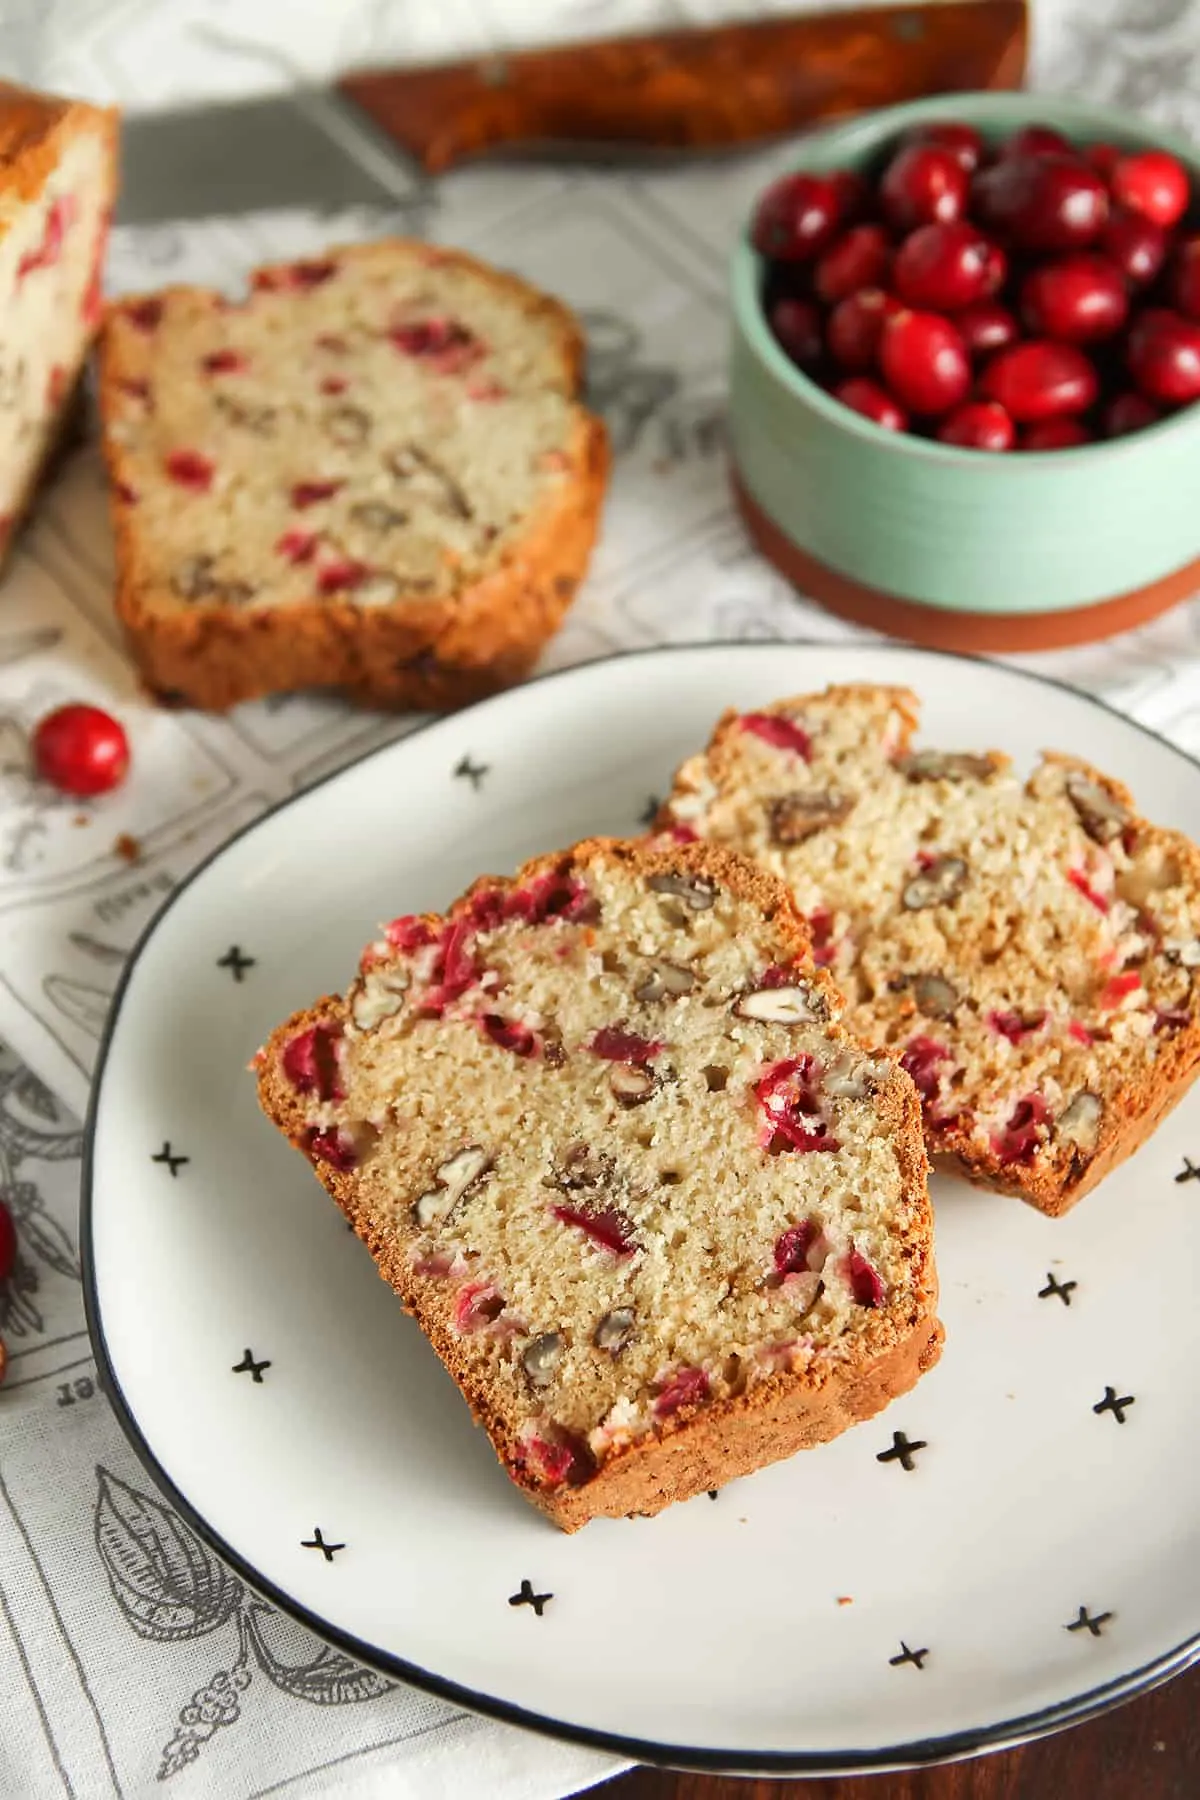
(961, 531)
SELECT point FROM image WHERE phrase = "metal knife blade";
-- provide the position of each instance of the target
(303, 148)
(374, 138)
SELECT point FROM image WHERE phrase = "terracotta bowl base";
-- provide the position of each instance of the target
(937, 629)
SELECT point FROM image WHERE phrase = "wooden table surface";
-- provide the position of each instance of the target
(1147, 1750)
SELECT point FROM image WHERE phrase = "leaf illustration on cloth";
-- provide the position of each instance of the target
(85, 1005)
(210, 1707)
(162, 1577)
(47, 1239)
(327, 1678)
(32, 1121)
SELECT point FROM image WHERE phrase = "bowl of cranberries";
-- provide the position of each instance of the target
(965, 378)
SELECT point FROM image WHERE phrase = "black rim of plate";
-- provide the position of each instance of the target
(950, 1747)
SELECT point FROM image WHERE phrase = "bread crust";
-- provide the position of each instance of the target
(701, 1447)
(426, 654)
(1137, 1108)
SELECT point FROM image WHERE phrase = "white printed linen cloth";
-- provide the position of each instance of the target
(131, 1662)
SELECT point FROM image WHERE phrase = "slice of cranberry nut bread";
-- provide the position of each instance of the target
(58, 173)
(1029, 950)
(373, 473)
(661, 1217)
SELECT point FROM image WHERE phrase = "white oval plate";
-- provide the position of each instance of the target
(1039, 1560)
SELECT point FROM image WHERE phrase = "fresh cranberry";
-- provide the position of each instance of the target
(797, 328)
(1042, 203)
(862, 395)
(1040, 380)
(860, 259)
(408, 933)
(224, 362)
(1135, 244)
(924, 362)
(853, 195)
(297, 546)
(549, 896)
(685, 1387)
(1153, 183)
(1079, 880)
(1078, 299)
(145, 314)
(790, 1108)
(962, 141)
(8, 1243)
(1019, 1140)
(1035, 140)
(615, 1045)
(779, 731)
(341, 575)
(1118, 988)
(1103, 158)
(1128, 412)
(509, 1034)
(299, 276)
(924, 183)
(603, 1225)
(997, 271)
(309, 493)
(792, 1247)
(921, 1058)
(1164, 356)
(1014, 1025)
(190, 469)
(310, 1062)
(1055, 434)
(855, 327)
(565, 1458)
(796, 217)
(820, 924)
(455, 970)
(945, 267)
(333, 1146)
(1185, 277)
(865, 1284)
(478, 1305)
(986, 326)
(443, 343)
(978, 425)
(81, 749)
(60, 216)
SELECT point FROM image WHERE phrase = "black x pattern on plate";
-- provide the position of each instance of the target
(317, 1542)
(235, 962)
(525, 1596)
(902, 1451)
(170, 1158)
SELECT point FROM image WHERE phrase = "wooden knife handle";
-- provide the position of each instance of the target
(697, 89)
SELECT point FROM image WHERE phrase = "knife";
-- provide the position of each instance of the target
(375, 135)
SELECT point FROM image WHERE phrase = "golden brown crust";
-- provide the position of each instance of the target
(1137, 1108)
(34, 132)
(428, 654)
(701, 1447)
(33, 129)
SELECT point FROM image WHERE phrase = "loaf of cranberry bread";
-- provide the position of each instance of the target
(58, 175)
(1028, 949)
(373, 473)
(661, 1217)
